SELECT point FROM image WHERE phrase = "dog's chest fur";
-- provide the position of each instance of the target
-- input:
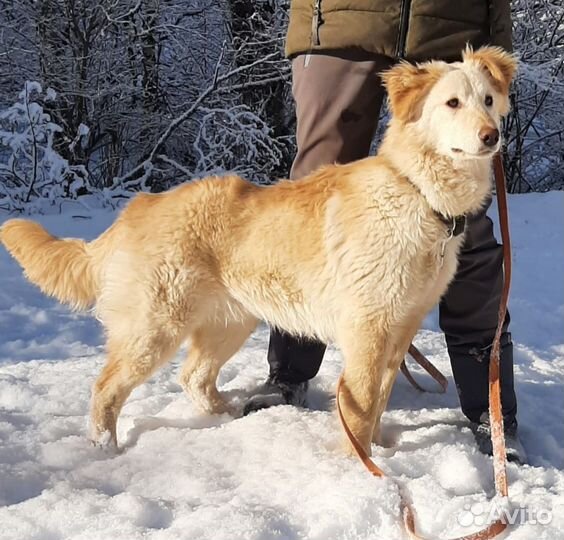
(394, 256)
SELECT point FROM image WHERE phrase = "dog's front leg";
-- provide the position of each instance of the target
(365, 348)
(402, 337)
(383, 395)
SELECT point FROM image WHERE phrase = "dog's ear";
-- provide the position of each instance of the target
(408, 86)
(499, 64)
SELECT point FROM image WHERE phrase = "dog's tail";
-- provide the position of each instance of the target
(60, 268)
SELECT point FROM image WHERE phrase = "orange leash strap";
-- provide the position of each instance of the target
(496, 417)
(420, 358)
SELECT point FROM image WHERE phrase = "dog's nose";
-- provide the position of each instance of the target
(489, 136)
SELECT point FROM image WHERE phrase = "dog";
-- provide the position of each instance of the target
(353, 254)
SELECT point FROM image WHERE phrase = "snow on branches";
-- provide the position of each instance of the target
(30, 166)
(180, 89)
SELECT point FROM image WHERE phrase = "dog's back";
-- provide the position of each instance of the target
(148, 230)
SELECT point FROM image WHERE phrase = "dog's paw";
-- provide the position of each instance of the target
(222, 407)
(349, 449)
(104, 441)
(212, 404)
(377, 436)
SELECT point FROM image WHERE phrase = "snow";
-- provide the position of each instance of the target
(277, 474)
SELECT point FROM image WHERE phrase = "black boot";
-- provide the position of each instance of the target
(470, 367)
(293, 361)
(276, 392)
(513, 448)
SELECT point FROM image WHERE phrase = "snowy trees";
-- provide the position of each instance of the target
(170, 88)
(535, 128)
(129, 70)
(33, 168)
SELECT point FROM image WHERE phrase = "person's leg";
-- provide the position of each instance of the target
(338, 100)
(468, 317)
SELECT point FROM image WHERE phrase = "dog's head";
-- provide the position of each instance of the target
(457, 108)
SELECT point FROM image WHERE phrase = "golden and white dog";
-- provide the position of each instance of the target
(354, 254)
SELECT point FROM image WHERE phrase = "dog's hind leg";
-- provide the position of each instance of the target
(212, 345)
(129, 364)
(366, 348)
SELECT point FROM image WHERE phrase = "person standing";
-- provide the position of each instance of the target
(338, 49)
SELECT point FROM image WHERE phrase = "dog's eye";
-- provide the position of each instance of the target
(489, 101)
(453, 103)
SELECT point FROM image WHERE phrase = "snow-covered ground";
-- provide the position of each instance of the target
(277, 474)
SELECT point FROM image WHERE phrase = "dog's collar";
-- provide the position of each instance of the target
(455, 225)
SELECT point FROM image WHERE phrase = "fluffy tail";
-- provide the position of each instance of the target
(60, 268)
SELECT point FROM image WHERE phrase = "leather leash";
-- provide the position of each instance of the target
(496, 417)
(420, 358)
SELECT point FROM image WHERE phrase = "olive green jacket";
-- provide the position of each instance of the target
(412, 29)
